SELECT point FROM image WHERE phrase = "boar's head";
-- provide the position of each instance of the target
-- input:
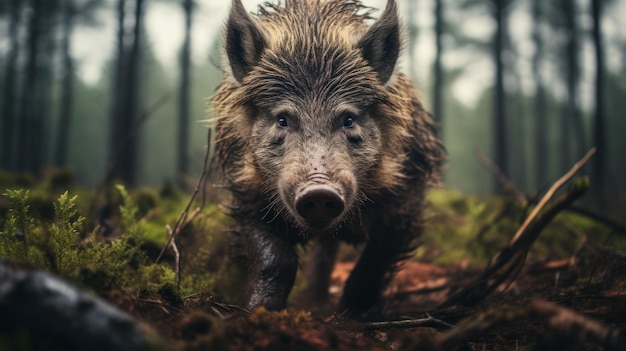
(308, 104)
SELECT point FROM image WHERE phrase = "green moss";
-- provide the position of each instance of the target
(58, 179)
(13, 180)
(62, 242)
(146, 200)
(461, 228)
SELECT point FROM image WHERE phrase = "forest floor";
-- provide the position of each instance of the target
(481, 280)
(587, 311)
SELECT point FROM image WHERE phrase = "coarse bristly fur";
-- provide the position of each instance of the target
(345, 117)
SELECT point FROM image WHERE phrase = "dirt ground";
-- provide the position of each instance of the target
(574, 304)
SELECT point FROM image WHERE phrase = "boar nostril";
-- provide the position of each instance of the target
(319, 203)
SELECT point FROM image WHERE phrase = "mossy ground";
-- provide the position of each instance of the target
(109, 246)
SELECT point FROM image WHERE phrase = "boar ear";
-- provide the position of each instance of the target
(380, 46)
(244, 41)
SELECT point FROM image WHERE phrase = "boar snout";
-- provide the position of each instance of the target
(319, 204)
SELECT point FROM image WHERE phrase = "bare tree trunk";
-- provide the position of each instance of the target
(67, 88)
(598, 172)
(7, 160)
(118, 90)
(125, 110)
(571, 116)
(438, 84)
(185, 82)
(541, 125)
(518, 138)
(499, 111)
(37, 86)
(41, 137)
(129, 164)
(29, 111)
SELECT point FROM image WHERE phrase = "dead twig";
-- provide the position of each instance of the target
(428, 322)
(556, 186)
(526, 238)
(507, 263)
(176, 256)
(184, 218)
(522, 198)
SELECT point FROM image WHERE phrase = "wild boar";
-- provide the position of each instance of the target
(319, 136)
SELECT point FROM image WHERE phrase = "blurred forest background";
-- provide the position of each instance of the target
(117, 89)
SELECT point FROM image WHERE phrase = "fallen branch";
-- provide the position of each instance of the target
(522, 198)
(556, 186)
(560, 323)
(526, 238)
(479, 324)
(428, 322)
(571, 325)
(507, 263)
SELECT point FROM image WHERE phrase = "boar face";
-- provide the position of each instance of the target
(315, 143)
(311, 98)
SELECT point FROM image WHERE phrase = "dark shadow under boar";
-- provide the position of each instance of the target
(317, 135)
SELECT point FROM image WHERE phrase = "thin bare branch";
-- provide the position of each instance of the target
(182, 218)
(429, 322)
(556, 186)
(507, 263)
(176, 256)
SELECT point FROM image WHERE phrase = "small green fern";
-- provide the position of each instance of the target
(64, 236)
(22, 239)
(60, 243)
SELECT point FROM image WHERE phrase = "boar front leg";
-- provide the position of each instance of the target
(319, 269)
(376, 266)
(272, 268)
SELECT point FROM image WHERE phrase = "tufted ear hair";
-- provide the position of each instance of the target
(380, 46)
(244, 41)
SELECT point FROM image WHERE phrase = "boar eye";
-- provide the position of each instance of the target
(281, 120)
(348, 119)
